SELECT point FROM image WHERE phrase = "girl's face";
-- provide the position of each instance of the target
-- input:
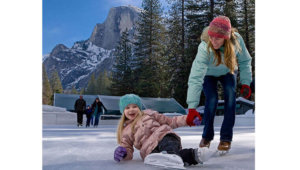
(131, 111)
(216, 42)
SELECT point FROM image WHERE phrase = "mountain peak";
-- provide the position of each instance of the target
(107, 34)
(58, 48)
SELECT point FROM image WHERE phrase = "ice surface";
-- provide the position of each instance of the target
(69, 147)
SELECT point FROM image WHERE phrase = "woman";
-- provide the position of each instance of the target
(97, 108)
(219, 53)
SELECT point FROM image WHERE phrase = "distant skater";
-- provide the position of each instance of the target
(79, 107)
(97, 108)
(89, 116)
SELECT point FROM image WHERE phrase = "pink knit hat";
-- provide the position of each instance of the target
(220, 27)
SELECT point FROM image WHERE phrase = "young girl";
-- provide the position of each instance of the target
(219, 53)
(89, 118)
(151, 132)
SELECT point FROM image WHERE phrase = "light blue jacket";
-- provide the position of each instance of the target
(204, 65)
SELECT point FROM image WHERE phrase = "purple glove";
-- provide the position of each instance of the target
(120, 153)
(196, 121)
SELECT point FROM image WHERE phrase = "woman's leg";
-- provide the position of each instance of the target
(211, 102)
(88, 119)
(96, 119)
(228, 82)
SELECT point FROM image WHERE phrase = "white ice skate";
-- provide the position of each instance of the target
(164, 160)
(203, 155)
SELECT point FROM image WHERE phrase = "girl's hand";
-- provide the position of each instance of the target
(120, 153)
(196, 121)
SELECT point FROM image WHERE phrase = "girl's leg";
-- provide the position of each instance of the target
(211, 102)
(228, 82)
(169, 143)
(172, 145)
(88, 119)
(92, 120)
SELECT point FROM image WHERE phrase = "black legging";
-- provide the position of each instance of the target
(172, 145)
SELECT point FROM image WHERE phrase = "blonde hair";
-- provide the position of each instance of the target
(229, 51)
(121, 124)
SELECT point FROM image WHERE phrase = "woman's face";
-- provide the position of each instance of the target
(131, 111)
(216, 42)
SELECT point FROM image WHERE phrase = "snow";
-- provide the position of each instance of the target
(245, 100)
(69, 147)
(49, 108)
(45, 56)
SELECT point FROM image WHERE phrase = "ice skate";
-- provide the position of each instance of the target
(204, 143)
(164, 160)
(202, 155)
(224, 147)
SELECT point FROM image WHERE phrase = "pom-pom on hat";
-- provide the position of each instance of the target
(220, 27)
(129, 99)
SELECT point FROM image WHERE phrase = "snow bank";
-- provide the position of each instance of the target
(58, 116)
(48, 108)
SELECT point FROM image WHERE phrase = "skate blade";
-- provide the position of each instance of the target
(165, 161)
(222, 152)
(165, 167)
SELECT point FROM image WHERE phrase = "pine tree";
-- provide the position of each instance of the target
(122, 78)
(246, 27)
(150, 51)
(176, 49)
(47, 91)
(74, 91)
(56, 83)
(91, 87)
(82, 91)
(230, 10)
(103, 83)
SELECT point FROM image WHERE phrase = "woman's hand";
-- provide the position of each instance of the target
(245, 91)
(120, 153)
(191, 116)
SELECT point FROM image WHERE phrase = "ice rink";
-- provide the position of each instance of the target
(69, 147)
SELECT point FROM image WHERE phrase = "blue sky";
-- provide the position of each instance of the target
(68, 21)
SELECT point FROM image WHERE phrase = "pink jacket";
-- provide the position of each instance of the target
(149, 130)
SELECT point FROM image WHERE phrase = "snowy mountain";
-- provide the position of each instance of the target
(75, 65)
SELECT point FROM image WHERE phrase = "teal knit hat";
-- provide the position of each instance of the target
(129, 99)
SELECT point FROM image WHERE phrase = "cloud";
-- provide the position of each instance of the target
(137, 3)
(128, 2)
(53, 31)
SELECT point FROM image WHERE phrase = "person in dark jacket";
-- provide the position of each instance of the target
(89, 118)
(79, 107)
(97, 108)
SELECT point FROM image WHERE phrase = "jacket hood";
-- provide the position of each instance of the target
(204, 35)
